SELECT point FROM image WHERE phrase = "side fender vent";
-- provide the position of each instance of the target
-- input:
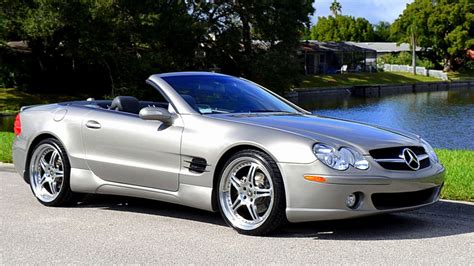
(197, 165)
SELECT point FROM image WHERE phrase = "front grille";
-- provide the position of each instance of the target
(390, 158)
(385, 201)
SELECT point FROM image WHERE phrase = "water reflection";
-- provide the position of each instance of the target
(444, 118)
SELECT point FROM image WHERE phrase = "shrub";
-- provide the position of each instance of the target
(469, 65)
(404, 58)
(425, 63)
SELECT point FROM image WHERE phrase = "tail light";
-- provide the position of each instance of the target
(17, 125)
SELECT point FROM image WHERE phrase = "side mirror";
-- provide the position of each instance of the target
(156, 113)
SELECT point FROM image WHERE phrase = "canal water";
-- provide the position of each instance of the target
(443, 118)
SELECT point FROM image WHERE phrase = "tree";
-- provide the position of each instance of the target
(342, 28)
(108, 45)
(445, 27)
(335, 8)
(255, 39)
(382, 32)
(103, 45)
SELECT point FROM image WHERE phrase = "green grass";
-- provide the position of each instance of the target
(461, 75)
(12, 99)
(6, 141)
(458, 185)
(459, 182)
(351, 79)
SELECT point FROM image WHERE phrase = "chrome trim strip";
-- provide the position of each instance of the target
(422, 157)
(400, 160)
(394, 160)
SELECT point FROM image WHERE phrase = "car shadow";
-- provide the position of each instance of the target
(441, 219)
(444, 218)
(151, 207)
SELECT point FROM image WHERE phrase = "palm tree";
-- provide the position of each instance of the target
(335, 8)
(413, 31)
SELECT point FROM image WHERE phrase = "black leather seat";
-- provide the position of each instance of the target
(127, 104)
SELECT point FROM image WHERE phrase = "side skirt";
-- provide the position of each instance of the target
(84, 181)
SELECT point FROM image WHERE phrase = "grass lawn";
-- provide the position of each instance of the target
(6, 141)
(12, 99)
(351, 79)
(459, 182)
(463, 75)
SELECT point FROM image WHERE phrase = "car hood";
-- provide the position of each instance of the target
(331, 131)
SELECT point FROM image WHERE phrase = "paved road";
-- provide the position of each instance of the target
(107, 229)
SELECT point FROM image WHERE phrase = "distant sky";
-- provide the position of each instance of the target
(372, 10)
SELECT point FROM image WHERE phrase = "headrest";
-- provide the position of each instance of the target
(127, 104)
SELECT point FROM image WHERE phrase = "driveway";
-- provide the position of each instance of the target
(108, 229)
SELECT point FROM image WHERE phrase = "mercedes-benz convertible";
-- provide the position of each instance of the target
(221, 143)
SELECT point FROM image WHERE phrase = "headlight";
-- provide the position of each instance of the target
(340, 159)
(429, 150)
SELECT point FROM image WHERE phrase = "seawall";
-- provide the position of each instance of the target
(378, 90)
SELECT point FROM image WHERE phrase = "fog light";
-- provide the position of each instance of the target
(351, 200)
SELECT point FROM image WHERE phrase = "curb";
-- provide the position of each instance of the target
(7, 167)
(458, 201)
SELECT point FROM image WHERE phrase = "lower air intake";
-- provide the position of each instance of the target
(385, 201)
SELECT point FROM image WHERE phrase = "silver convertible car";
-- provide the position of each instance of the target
(226, 144)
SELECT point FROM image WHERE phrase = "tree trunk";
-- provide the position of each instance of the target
(448, 63)
(111, 78)
(413, 47)
(243, 13)
(247, 40)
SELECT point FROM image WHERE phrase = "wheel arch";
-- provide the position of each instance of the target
(32, 145)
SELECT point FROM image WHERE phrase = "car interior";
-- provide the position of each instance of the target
(129, 104)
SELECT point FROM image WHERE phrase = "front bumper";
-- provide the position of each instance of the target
(379, 191)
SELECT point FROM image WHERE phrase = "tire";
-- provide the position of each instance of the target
(48, 172)
(251, 194)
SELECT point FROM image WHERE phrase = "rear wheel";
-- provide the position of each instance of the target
(251, 193)
(48, 172)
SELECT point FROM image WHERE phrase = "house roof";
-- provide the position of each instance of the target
(385, 47)
(19, 46)
(316, 46)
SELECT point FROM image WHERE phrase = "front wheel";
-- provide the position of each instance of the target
(251, 193)
(48, 172)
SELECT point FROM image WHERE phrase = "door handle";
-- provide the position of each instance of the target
(93, 124)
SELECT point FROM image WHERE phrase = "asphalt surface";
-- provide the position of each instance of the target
(107, 229)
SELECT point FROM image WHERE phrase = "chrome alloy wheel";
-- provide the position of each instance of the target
(246, 193)
(46, 172)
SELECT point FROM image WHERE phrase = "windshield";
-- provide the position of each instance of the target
(210, 94)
